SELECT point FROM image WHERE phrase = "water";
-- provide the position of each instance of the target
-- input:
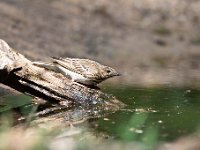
(151, 114)
(157, 114)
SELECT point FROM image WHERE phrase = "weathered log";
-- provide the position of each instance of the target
(19, 73)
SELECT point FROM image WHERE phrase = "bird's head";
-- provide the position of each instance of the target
(108, 72)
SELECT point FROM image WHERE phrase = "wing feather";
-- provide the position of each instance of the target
(84, 67)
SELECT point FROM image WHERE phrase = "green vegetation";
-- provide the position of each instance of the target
(162, 30)
(162, 61)
(195, 41)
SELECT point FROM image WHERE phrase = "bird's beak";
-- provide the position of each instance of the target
(118, 74)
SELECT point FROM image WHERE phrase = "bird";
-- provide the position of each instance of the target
(84, 71)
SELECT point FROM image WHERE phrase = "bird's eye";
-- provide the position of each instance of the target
(108, 71)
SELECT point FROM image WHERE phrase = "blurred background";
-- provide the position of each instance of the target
(151, 42)
(155, 44)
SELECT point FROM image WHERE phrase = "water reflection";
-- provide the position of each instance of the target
(151, 115)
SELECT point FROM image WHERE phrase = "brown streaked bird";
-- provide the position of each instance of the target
(83, 71)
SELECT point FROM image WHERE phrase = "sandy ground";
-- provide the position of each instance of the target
(151, 42)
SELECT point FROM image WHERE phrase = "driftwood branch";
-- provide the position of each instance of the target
(18, 72)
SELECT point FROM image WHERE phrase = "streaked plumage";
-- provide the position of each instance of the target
(84, 71)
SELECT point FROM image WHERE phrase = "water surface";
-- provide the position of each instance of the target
(156, 114)
(150, 115)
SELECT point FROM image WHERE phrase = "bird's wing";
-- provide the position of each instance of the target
(84, 67)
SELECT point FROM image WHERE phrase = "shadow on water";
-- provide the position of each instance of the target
(157, 114)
